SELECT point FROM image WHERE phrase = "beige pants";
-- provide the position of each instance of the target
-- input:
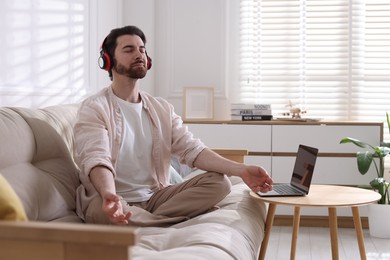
(172, 204)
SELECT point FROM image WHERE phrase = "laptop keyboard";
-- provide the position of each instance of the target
(285, 189)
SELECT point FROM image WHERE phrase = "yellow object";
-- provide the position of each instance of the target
(11, 207)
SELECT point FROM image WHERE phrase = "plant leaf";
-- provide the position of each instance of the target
(354, 141)
(382, 151)
(385, 144)
(388, 121)
(364, 160)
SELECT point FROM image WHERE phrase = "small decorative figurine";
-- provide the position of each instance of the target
(294, 111)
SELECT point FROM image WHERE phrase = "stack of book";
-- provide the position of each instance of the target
(251, 112)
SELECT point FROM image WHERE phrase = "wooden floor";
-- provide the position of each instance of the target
(314, 244)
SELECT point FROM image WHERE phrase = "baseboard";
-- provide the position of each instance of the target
(318, 221)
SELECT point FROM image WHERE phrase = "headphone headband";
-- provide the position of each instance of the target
(105, 62)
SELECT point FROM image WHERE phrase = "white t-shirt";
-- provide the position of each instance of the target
(134, 166)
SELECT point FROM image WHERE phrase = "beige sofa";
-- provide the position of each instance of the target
(36, 159)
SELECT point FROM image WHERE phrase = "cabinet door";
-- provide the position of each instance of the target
(263, 161)
(254, 138)
(286, 138)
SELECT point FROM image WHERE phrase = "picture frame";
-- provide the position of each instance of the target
(198, 103)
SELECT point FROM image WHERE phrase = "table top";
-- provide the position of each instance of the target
(326, 196)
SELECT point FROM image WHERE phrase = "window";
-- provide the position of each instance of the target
(329, 57)
(44, 58)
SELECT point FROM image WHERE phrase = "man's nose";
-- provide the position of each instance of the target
(139, 56)
(139, 53)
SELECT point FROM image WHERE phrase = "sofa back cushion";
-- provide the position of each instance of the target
(16, 139)
(41, 168)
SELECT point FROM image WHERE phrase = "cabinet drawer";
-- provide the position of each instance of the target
(253, 138)
(326, 138)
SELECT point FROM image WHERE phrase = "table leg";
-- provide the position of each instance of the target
(333, 233)
(359, 232)
(294, 238)
(267, 230)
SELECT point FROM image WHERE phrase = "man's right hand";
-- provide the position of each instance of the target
(113, 208)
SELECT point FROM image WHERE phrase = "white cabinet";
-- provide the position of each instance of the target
(237, 136)
(273, 145)
(234, 136)
(286, 138)
(336, 163)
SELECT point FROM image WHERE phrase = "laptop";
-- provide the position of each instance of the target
(301, 176)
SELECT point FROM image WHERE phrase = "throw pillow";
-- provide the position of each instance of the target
(11, 207)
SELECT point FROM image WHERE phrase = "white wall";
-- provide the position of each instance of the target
(142, 15)
(192, 49)
(109, 15)
(192, 43)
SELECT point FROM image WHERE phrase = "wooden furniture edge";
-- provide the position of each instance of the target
(318, 221)
(286, 122)
(63, 241)
(232, 154)
(294, 154)
(75, 232)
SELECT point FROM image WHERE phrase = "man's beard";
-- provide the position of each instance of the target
(136, 73)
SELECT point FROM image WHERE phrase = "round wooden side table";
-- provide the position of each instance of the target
(330, 196)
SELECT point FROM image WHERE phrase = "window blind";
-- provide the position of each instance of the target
(370, 59)
(330, 58)
(45, 61)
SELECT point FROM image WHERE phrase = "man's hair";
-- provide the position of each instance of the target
(110, 42)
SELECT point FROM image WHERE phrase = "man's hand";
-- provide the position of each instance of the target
(257, 178)
(113, 208)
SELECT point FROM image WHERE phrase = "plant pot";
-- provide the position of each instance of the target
(379, 220)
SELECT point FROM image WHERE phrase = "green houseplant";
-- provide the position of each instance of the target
(366, 158)
(378, 213)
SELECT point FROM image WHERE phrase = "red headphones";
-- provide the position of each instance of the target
(105, 61)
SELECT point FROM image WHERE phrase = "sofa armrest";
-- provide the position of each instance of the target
(41, 240)
(232, 154)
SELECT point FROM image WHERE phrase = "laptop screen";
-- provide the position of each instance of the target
(304, 167)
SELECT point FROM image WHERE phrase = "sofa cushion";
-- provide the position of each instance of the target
(234, 231)
(51, 126)
(44, 198)
(16, 139)
(37, 162)
(11, 207)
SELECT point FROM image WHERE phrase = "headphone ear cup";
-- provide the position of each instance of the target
(104, 61)
(149, 65)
